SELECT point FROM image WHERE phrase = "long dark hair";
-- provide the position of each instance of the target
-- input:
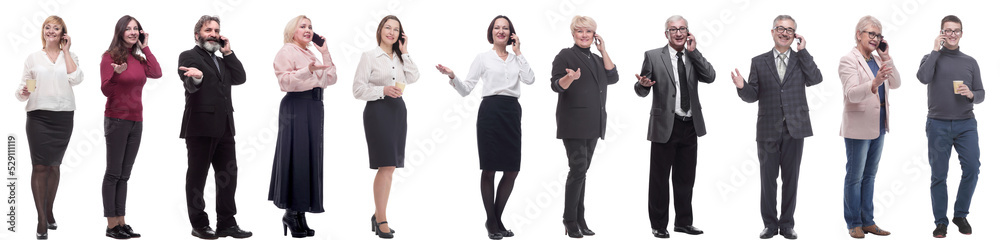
(119, 49)
(395, 45)
(489, 31)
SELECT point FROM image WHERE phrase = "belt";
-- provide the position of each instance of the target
(314, 94)
(682, 118)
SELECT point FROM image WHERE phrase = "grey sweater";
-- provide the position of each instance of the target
(938, 70)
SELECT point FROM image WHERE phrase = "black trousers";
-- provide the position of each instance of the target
(220, 154)
(680, 154)
(122, 138)
(580, 152)
(784, 154)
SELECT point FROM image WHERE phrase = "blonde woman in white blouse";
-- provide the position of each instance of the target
(382, 74)
(47, 85)
(498, 128)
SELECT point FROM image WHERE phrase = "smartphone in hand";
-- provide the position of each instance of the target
(317, 39)
(882, 46)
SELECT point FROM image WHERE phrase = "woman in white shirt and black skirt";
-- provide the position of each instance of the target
(498, 128)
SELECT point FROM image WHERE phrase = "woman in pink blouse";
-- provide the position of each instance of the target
(297, 173)
(381, 76)
(123, 73)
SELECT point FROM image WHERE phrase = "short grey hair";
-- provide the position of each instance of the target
(674, 18)
(204, 20)
(867, 21)
(784, 17)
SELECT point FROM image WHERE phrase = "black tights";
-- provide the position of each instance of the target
(44, 183)
(494, 207)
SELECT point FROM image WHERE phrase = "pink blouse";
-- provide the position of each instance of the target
(291, 66)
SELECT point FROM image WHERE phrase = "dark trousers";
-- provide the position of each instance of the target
(580, 152)
(220, 153)
(784, 154)
(122, 138)
(680, 153)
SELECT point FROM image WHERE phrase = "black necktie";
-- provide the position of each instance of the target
(682, 77)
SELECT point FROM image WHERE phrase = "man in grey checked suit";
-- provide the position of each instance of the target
(778, 79)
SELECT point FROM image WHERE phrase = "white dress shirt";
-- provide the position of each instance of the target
(677, 82)
(502, 77)
(53, 86)
(377, 70)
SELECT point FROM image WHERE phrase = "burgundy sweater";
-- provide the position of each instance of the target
(124, 90)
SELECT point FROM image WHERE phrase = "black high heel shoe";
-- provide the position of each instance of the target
(379, 231)
(51, 226)
(493, 235)
(572, 229)
(584, 229)
(291, 220)
(302, 219)
(375, 225)
(507, 233)
(42, 235)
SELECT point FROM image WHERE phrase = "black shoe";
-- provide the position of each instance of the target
(689, 230)
(42, 236)
(661, 233)
(584, 229)
(302, 220)
(789, 233)
(379, 231)
(941, 231)
(572, 229)
(116, 233)
(233, 231)
(375, 225)
(963, 225)
(51, 226)
(507, 233)
(291, 221)
(128, 230)
(491, 234)
(205, 232)
(768, 233)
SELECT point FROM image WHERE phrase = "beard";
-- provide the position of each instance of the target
(210, 44)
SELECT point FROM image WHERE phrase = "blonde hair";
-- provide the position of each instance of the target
(582, 22)
(291, 26)
(865, 22)
(54, 20)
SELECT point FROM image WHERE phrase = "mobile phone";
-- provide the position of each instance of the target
(142, 36)
(882, 46)
(317, 39)
(224, 43)
(511, 41)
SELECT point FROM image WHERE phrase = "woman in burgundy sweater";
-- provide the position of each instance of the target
(123, 73)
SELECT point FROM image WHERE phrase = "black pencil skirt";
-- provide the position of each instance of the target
(498, 131)
(48, 135)
(297, 173)
(385, 130)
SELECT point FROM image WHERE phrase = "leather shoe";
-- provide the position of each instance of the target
(789, 233)
(941, 230)
(205, 232)
(768, 233)
(116, 233)
(856, 232)
(233, 231)
(961, 222)
(874, 229)
(689, 230)
(128, 230)
(661, 233)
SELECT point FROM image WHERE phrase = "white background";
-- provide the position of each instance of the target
(437, 195)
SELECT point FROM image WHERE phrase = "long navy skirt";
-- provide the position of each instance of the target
(297, 173)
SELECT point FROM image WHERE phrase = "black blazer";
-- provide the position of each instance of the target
(781, 100)
(580, 112)
(208, 107)
(657, 65)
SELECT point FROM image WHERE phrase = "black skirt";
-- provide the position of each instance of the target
(297, 173)
(385, 130)
(48, 135)
(498, 131)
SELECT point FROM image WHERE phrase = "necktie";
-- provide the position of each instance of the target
(781, 66)
(682, 77)
(216, 60)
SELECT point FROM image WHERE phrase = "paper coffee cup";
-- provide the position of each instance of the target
(956, 83)
(31, 85)
(401, 86)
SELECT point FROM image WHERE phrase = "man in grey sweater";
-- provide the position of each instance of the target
(953, 85)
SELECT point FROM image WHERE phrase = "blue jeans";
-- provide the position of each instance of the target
(862, 164)
(942, 135)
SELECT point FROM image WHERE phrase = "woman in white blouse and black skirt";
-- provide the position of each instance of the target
(47, 84)
(382, 74)
(498, 128)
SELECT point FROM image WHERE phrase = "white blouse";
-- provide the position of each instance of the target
(502, 77)
(53, 86)
(377, 70)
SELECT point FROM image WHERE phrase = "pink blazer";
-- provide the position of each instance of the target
(861, 106)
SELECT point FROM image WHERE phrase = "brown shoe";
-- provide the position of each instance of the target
(874, 229)
(856, 232)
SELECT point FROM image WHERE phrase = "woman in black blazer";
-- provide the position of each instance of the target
(581, 78)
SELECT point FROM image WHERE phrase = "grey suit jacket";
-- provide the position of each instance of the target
(656, 65)
(781, 99)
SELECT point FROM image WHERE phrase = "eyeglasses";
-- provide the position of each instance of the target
(874, 35)
(680, 30)
(781, 29)
(951, 32)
